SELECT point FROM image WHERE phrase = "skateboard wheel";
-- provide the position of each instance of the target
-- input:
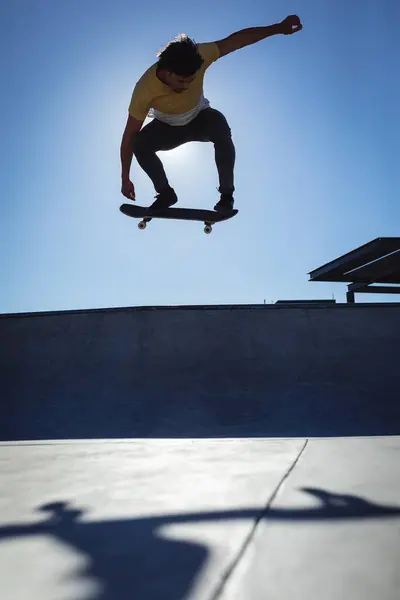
(142, 225)
(207, 229)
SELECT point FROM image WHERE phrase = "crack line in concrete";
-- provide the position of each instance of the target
(229, 571)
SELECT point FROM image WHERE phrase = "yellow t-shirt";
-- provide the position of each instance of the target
(153, 98)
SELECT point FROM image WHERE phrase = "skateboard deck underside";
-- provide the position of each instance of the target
(208, 217)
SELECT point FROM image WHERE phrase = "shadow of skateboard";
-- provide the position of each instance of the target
(208, 217)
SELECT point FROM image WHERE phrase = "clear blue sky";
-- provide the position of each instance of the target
(315, 122)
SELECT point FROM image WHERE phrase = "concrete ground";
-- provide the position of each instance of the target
(200, 519)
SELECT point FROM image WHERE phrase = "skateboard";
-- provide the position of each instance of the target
(209, 217)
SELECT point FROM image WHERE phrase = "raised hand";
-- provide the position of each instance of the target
(290, 25)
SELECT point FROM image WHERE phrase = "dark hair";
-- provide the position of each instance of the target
(181, 57)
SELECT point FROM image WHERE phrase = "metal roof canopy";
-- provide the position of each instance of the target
(377, 262)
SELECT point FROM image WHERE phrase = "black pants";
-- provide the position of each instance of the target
(209, 126)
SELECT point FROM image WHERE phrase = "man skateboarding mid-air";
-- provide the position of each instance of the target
(171, 91)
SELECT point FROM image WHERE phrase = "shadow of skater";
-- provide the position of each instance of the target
(129, 558)
(126, 558)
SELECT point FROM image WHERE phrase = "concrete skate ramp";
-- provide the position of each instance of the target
(225, 371)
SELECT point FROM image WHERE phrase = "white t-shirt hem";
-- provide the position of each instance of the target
(182, 119)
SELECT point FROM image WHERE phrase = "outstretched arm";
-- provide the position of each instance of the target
(245, 37)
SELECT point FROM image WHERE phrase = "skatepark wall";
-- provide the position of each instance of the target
(201, 371)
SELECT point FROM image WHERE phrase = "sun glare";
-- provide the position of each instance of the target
(182, 153)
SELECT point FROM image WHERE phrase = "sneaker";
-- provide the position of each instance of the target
(165, 199)
(225, 204)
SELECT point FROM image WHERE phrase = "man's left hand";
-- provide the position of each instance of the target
(290, 25)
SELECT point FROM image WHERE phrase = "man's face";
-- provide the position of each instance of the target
(177, 83)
